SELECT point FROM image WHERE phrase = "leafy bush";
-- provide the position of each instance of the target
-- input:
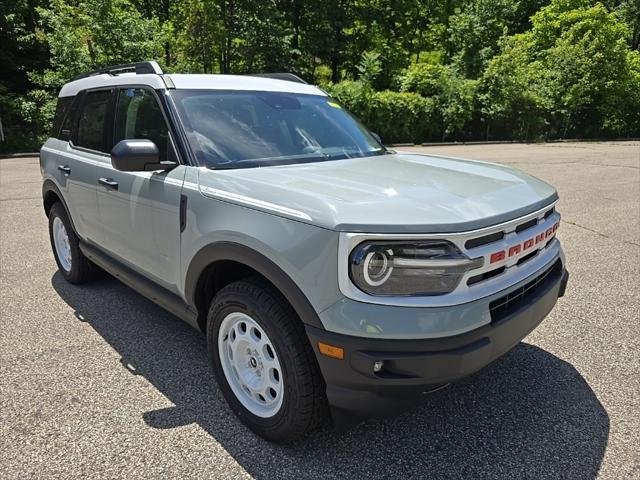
(453, 95)
(424, 78)
(354, 96)
(457, 105)
(369, 67)
(395, 116)
(402, 117)
(25, 119)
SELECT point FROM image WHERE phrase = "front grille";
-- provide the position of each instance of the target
(486, 239)
(523, 226)
(497, 236)
(549, 213)
(521, 297)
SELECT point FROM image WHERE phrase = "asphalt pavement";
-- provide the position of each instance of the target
(98, 382)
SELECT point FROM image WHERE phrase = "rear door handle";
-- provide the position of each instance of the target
(64, 169)
(109, 183)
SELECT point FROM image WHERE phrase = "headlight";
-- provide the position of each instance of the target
(425, 267)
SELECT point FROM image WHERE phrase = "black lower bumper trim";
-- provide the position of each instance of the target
(412, 367)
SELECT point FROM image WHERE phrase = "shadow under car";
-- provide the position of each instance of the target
(529, 414)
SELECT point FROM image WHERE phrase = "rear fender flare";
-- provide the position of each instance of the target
(49, 186)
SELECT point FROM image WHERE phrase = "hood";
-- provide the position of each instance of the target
(396, 193)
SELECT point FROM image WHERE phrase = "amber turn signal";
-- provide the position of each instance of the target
(331, 351)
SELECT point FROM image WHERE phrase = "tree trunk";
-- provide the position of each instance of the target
(335, 53)
(92, 53)
(295, 20)
(227, 11)
(335, 73)
(167, 54)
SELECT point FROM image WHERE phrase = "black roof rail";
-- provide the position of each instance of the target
(138, 68)
(290, 77)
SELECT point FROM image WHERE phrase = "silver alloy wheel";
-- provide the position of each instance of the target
(250, 365)
(61, 242)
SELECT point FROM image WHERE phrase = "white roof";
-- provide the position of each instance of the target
(106, 80)
(242, 82)
(191, 81)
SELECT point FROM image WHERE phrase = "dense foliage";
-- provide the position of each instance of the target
(412, 70)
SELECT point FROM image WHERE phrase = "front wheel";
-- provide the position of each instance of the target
(263, 362)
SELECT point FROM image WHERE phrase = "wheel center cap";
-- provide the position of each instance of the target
(253, 362)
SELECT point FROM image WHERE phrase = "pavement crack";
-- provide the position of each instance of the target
(618, 166)
(600, 233)
(19, 198)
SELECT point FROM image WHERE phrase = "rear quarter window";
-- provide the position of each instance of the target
(61, 109)
(65, 131)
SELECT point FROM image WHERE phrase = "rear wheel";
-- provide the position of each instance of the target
(72, 263)
(263, 362)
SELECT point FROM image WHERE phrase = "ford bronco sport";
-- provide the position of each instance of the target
(331, 276)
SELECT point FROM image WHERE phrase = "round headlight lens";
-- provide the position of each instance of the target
(378, 266)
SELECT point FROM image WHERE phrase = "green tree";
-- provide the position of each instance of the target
(231, 36)
(86, 35)
(324, 35)
(629, 12)
(573, 68)
(475, 30)
(198, 36)
(262, 39)
(521, 69)
(510, 105)
(23, 49)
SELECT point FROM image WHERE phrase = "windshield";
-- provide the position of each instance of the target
(238, 129)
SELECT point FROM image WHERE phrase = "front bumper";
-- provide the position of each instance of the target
(412, 367)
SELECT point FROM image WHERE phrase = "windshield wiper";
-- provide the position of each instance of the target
(270, 161)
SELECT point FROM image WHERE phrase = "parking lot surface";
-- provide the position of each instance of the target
(98, 382)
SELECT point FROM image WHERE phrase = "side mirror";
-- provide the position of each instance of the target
(376, 136)
(138, 156)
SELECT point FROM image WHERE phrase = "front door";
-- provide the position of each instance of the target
(139, 211)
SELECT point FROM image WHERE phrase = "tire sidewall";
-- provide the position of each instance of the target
(58, 211)
(230, 303)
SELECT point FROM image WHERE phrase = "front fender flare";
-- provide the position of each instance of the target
(220, 251)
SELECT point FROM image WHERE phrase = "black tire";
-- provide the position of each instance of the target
(82, 270)
(304, 406)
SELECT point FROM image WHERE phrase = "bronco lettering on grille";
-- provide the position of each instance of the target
(524, 246)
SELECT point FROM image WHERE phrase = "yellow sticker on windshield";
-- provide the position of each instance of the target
(334, 104)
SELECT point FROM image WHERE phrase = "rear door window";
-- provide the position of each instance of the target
(139, 116)
(93, 120)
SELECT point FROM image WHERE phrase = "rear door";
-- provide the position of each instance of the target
(139, 211)
(84, 135)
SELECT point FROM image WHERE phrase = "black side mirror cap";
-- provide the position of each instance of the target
(138, 156)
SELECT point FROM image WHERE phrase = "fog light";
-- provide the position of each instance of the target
(377, 365)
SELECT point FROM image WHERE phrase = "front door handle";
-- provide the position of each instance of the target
(64, 169)
(109, 183)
